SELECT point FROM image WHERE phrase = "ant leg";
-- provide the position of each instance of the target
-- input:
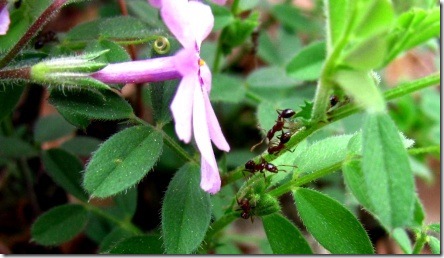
(257, 144)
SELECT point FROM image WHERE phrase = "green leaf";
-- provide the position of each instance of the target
(127, 202)
(374, 17)
(9, 97)
(367, 54)
(120, 29)
(21, 19)
(81, 145)
(387, 172)
(148, 244)
(403, 240)
(331, 224)
(362, 87)
(161, 94)
(59, 224)
(16, 148)
(116, 53)
(435, 227)
(122, 161)
(222, 16)
(113, 238)
(337, 13)
(123, 28)
(271, 77)
(435, 245)
(145, 12)
(292, 18)
(413, 28)
(307, 64)
(186, 212)
(51, 127)
(65, 169)
(324, 153)
(238, 32)
(227, 88)
(292, 242)
(278, 51)
(80, 106)
(354, 179)
(418, 213)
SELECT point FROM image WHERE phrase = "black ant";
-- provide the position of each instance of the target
(260, 167)
(45, 37)
(246, 208)
(17, 4)
(334, 100)
(283, 139)
(278, 126)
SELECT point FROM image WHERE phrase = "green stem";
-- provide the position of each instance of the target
(217, 57)
(167, 140)
(38, 24)
(127, 225)
(324, 87)
(344, 111)
(235, 7)
(304, 180)
(431, 149)
(219, 224)
(420, 242)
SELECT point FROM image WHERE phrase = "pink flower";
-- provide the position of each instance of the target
(158, 3)
(4, 19)
(191, 22)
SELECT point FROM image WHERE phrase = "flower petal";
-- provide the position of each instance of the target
(216, 134)
(182, 107)
(220, 2)
(186, 62)
(210, 172)
(4, 20)
(155, 3)
(177, 18)
(201, 19)
(205, 74)
(190, 22)
(209, 179)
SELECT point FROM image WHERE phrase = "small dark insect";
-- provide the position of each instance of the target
(260, 167)
(244, 205)
(334, 100)
(43, 38)
(278, 126)
(17, 4)
(283, 139)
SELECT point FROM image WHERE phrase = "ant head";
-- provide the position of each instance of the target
(285, 137)
(286, 113)
(271, 168)
(245, 215)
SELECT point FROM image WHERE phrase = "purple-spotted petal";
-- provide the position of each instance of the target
(216, 134)
(4, 20)
(186, 62)
(203, 141)
(155, 3)
(182, 107)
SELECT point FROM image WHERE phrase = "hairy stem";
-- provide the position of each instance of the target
(127, 225)
(38, 24)
(342, 112)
